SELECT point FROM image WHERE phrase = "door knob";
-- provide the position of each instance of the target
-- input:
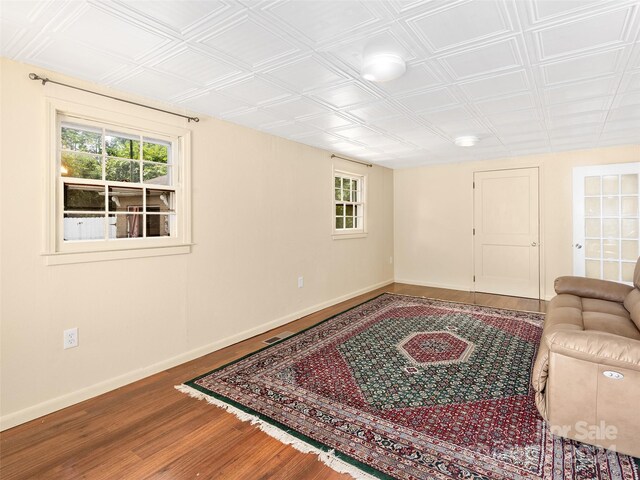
(578, 246)
(533, 244)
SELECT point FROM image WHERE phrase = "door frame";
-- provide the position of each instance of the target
(542, 294)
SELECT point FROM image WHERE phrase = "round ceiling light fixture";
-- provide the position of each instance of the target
(382, 66)
(466, 141)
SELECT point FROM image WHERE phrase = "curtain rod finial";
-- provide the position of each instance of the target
(34, 76)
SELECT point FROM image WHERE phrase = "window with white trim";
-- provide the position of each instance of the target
(117, 187)
(349, 203)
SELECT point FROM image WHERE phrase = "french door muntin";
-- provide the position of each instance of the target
(606, 233)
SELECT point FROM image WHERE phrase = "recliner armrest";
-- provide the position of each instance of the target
(598, 347)
(592, 288)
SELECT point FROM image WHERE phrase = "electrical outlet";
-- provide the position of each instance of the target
(70, 338)
(391, 260)
(300, 282)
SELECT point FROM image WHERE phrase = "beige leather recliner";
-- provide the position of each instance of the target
(587, 372)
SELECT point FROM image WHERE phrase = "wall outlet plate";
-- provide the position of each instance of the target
(300, 282)
(70, 338)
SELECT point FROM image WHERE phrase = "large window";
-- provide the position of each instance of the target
(349, 203)
(115, 184)
(116, 188)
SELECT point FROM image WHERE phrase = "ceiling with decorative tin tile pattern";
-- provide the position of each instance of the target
(525, 76)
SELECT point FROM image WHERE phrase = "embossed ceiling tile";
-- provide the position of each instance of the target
(520, 128)
(516, 116)
(354, 133)
(253, 117)
(196, 66)
(305, 74)
(528, 137)
(628, 99)
(461, 23)
(580, 119)
(599, 87)
(322, 138)
(67, 56)
(290, 109)
(463, 127)
(491, 58)
(290, 129)
(624, 113)
(433, 100)
(398, 124)
(348, 147)
(156, 85)
(505, 104)
(374, 155)
(378, 141)
(178, 16)
(249, 42)
(581, 68)
(24, 12)
(603, 30)
(531, 151)
(633, 82)
(583, 106)
(398, 148)
(497, 85)
(213, 103)
(606, 140)
(254, 90)
(425, 138)
(612, 127)
(326, 121)
(447, 115)
(371, 112)
(344, 96)
(575, 131)
(545, 9)
(118, 41)
(8, 34)
(418, 77)
(573, 143)
(325, 20)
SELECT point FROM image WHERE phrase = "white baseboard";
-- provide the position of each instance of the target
(464, 288)
(63, 401)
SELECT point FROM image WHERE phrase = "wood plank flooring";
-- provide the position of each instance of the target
(150, 430)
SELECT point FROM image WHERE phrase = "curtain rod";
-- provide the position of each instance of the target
(351, 160)
(46, 80)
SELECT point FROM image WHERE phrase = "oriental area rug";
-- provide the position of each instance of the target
(409, 388)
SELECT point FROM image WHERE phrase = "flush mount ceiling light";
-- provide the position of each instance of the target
(466, 141)
(382, 66)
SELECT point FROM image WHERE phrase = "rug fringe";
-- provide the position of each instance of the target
(328, 458)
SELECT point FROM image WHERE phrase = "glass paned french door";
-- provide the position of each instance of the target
(606, 206)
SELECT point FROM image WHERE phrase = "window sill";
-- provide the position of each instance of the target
(66, 258)
(344, 236)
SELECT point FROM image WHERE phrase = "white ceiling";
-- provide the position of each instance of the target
(525, 76)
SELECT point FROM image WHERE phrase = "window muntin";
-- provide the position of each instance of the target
(115, 184)
(348, 203)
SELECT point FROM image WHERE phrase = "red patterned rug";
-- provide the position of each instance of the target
(409, 388)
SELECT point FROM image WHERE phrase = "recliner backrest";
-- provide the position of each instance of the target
(632, 301)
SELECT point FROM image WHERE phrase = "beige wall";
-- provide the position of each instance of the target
(139, 316)
(434, 216)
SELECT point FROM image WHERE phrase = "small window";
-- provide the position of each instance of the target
(116, 188)
(349, 203)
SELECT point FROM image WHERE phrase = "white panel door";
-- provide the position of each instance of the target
(506, 232)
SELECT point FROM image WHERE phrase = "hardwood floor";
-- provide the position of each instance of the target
(150, 430)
